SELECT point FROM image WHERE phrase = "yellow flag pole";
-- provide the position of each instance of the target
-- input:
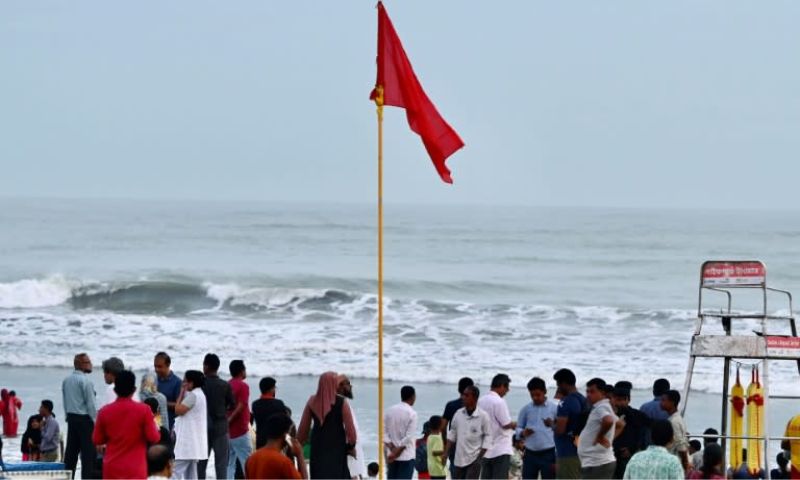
(379, 103)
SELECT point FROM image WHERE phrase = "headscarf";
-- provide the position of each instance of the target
(322, 402)
(148, 383)
(4, 394)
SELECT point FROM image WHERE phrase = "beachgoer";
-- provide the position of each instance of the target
(219, 399)
(470, 435)
(30, 446)
(515, 468)
(400, 427)
(656, 463)
(328, 422)
(695, 447)
(126, 428)
(535, 424)
(111, 367)
(266, 406)
(568, 419)
(165, 439)
(270, 460)
(449, 410)
(149, 389)
(653, 408)
(355, 458)
(421, 453)
(169, 384)
(372, 470)
(239, 418)
(159, 462)
(712, 464)
(633, 424)
(495, 463)
(191, 426)
(51, 432)
(434, 449)
(9, 407)
(595, 442)
(697, 456)
(680, 440)
(79, 405)
(783, 467)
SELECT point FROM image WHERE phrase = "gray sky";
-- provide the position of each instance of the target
(624, 103)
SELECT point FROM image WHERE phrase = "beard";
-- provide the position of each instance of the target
(347, 394)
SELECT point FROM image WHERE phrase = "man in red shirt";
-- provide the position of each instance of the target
(126, 428)
(239, 418)
(269, 461)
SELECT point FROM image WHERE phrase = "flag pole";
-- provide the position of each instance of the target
(379, 104)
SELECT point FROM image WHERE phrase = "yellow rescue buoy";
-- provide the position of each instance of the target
(737, 422)
(755, 424)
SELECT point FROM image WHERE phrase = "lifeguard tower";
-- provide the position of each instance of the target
(728, 278)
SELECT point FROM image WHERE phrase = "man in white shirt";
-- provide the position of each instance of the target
(470, 432)
(594, 445)
(400, 428)
(497, 460)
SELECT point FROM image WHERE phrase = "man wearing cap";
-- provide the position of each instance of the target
(634, 423)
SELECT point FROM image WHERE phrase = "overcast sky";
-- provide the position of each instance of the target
(623, 103)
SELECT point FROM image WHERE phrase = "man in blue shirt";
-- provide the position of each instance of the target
(568, 424)
(169, 384)
(535, 425)
(81, 410)
(653, 408)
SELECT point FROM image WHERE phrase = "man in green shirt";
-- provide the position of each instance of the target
(656, 462)
(436, 454)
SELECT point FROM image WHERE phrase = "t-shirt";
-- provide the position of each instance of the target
(450, 409)
(263, 408)
(126, 428)
(591, 454)
(241, 394)
(269, 463)
(171, 388)
(572, 407)
(793, 430)
(435, 464)
(680, 439)
(219, 399)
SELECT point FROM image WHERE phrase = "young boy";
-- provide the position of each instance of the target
(436, 458)
(372, 470)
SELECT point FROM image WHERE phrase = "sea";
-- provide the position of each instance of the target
(469, 290)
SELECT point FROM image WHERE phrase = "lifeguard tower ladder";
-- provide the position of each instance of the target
(726, 277)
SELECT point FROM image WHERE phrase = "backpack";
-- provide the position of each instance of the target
(421, 462)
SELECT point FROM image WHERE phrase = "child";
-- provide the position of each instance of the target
(436, 454)
(515, 468)
(32, 439)
(372, 470)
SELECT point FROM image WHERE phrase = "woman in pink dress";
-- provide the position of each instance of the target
(9, 405)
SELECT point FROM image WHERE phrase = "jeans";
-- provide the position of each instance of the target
(496, 468)
(536, 462)
(79, 441)
(218, 443)
(400, 470)
(239, 449)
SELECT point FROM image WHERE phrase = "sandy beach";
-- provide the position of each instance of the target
(34, 384)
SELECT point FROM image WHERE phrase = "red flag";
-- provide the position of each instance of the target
(401, 88)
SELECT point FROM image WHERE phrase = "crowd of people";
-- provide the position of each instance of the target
(169, 428)
(171, 425)
(598, 435)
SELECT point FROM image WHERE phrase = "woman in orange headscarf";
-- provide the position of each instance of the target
(333, 432)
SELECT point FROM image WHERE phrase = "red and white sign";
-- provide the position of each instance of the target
(783, 347)
(720, 274)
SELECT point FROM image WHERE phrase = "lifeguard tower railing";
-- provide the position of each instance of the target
(726, 277)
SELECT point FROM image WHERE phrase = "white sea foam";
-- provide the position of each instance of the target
(32, 293)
